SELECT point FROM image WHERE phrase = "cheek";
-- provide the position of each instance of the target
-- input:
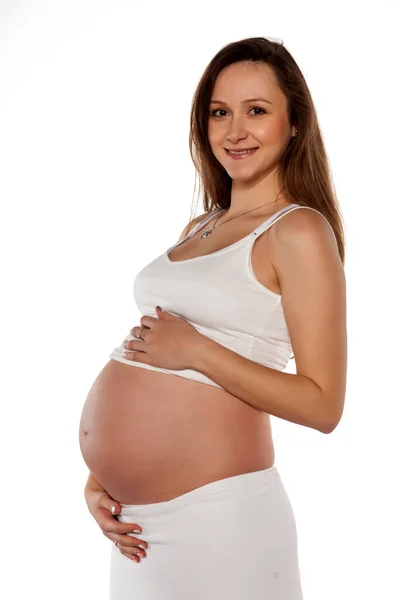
(214, 134)
(274, 133)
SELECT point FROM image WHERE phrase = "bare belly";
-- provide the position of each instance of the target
(149, 436)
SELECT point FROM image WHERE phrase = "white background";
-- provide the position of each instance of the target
(96, 181)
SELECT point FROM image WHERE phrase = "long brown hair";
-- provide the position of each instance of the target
(304, 169)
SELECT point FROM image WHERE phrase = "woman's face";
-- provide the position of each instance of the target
(236, 124)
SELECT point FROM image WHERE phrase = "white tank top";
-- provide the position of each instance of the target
(220, 296)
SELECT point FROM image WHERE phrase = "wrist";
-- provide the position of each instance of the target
(202, 354)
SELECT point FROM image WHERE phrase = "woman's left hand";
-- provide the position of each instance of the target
(169, 342)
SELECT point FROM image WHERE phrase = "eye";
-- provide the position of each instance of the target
(213, 113)
(258, 108)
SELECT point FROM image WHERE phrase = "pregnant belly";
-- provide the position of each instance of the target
(149, 436)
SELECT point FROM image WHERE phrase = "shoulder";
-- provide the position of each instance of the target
(302, 242)
(302, 231)
(302, 225)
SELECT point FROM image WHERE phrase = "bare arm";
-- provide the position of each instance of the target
(312, 280)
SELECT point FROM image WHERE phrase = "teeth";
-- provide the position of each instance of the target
(242, 152)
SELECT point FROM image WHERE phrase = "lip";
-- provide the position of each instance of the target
(240, 156)
(241, 149)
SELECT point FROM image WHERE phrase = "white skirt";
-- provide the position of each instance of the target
(231, 539)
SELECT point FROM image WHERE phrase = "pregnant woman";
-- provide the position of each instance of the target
(176, 428)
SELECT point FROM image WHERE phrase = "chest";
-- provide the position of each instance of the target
(260, 257)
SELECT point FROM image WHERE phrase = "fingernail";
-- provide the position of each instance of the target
(113, 509)
(136, 531)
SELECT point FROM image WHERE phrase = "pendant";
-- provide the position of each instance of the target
(206, 233)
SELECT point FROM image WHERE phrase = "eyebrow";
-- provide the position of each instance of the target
(244, 101)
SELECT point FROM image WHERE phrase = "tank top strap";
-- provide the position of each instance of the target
(281, 213)
(204, 221)
(195, 228)
(273, 218)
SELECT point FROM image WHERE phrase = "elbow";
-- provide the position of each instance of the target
(327, 410)
(328, 429)
(330, 425)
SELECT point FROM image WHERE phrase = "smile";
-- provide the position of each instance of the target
(241, 155)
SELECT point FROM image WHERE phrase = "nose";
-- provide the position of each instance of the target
(236, 131)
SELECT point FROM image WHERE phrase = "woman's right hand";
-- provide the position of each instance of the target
(100, 506)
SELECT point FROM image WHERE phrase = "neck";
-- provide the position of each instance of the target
(266, 194)
(267, 206)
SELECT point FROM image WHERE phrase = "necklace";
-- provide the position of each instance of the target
(210, 230)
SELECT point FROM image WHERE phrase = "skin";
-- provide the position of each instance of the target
(299, 249)
(303, 253)
(237, 125)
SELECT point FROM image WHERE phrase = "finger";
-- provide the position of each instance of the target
(135, 345)
(148, 322)
(131, 546)
(136, 330)
(126, 539)
(110, 524)
(110, 520)
(139, 329)
(135, 556)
